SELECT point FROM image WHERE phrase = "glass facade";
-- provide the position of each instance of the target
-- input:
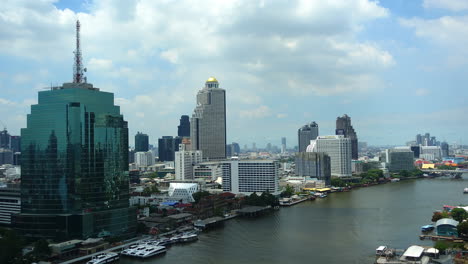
(74, 179)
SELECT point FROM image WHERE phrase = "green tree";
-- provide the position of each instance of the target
(41, 248)
(404, 173)
(439, 215)
(218, 211)
(288, 191)
(199, 195)
(417, 173)
(462, 229)
(10, 245)
(337, 182)
(459, 214)
(441, 245)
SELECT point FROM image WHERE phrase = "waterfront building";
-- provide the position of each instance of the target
(144, 159)
(208, 123)
(431, 152)
(167, 146)
(5, 139)
(446, 227)
(183, 130)
(248, 176)
(283, 145)
(141, 142)
(207, 171)
(182, 191)
(313, 165)
(400, 159)
(338, 147)
(74, 173)
(185, 160)
(344, 127)
(10, 202)
(305, 134)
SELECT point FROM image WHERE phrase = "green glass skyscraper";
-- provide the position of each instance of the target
(74, 178)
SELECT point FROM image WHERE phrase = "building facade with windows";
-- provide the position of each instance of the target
(313, 165)
(249, 176)
(208, 123)
(10, 203)
(338, 147)
(305, 134)
(185, 160)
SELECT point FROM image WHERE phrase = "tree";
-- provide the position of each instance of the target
(41, 248)
(439, 215)
(404, 173)
(199, 195)
(10, 245)
(459, 214)
(337, 182)
(462, 229)
(288, 191)
(441, 245)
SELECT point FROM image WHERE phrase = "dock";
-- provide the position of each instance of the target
(253, 211)
(435, 238)
(289, 203)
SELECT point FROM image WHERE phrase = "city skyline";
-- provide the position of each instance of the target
(357, 68)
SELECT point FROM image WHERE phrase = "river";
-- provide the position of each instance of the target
(342, 228)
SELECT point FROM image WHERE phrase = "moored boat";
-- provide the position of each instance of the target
(108, 257)
(150, 251)
(427, 228)
(465, 190)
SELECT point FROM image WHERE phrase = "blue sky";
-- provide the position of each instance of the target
(397, 67)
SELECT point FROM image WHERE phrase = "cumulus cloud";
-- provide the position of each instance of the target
(452, 5)
(259, 112)
(157, 54)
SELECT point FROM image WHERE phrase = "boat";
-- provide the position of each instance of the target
(320, 195)
(175, 239)
(427, 228)
(380, 250)
(150, 251)
(104, 258)
(465, 190)
(395, 180)
(132, 251)
(188, 237)
(164, 241)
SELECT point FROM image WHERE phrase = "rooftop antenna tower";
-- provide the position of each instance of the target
(78, 70)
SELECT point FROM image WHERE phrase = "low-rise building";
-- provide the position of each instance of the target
(446, 227)
(10, 202)
(182, 191)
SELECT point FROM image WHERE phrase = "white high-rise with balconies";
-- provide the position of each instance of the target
(208, 122)
(144, 159)
(339, 149)
(185, 160)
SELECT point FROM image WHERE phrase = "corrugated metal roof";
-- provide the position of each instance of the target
(414, 252)
(446, 221)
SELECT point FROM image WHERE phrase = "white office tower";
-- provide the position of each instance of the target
(144, 159)
(339, 149)
(431, 153)
(185, 160)
(248, 176)
(208, 122)
(182, 191)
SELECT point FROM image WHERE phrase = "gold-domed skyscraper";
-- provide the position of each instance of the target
(208, 122)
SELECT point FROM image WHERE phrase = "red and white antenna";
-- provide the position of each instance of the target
(78, 75)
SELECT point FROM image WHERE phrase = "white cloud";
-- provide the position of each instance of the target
(281, 115)
(453, 5)
(421, 92)
(259, 112)
(100, 64)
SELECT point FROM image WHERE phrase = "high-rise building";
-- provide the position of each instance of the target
(344, 127)
(305, 134)
(208, 123)
(431, 153)
(144, 159)
(248, 176)
(15, 143)
(313, 165)
(419, 139)
(183, 130)
(141, 142)
(339, 149)
(400, 159)
(10, 202)
(6, 156)
(283, 145)
(167, 146)
(185, 160)
(74, 173)
(5, 139)
(445, 149)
